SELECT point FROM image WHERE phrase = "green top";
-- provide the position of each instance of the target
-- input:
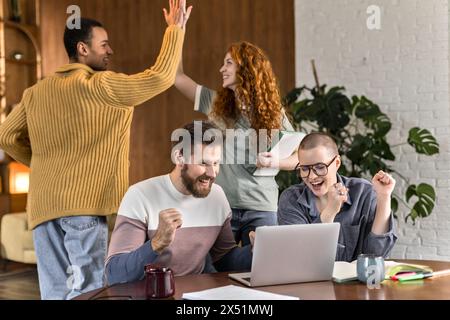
(242, 188)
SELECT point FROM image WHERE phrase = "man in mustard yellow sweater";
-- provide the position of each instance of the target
(73, 130)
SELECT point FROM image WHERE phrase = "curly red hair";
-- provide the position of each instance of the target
(257, 89)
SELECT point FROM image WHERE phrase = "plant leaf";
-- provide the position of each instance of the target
(332, 110)
(372, 116)
(423, 141)
(382, 149)
(411, 191)
(394, 205)
(425, 203)
(285, 179)
(358, 148)
(413, 215)
(293, 95)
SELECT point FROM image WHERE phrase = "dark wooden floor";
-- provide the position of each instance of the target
(18, 281)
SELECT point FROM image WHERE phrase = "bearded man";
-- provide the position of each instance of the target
(180, 220)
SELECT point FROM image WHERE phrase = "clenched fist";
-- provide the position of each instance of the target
(169, 221)
(383, 184)
(336, 196)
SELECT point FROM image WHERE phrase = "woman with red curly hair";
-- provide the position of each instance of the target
(249, 100)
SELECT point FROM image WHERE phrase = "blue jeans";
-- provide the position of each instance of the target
(70, 254)
(243, 221)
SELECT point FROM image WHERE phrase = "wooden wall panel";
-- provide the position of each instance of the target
(136, 28)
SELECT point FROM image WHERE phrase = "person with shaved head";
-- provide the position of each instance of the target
(362, 208)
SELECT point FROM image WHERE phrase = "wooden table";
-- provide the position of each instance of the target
(428, 289)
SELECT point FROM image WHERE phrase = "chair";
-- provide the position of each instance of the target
(16, 240)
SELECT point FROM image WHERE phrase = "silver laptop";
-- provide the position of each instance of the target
(290, 254)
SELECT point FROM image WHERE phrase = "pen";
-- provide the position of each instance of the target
(441, 273)
(432, 275)
(402, 275)
(416, 276)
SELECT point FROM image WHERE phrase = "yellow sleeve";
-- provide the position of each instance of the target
(14, 137)
(132, 90)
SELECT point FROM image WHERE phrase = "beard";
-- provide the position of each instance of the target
(191, 184)
(98, 66)
(99, 63)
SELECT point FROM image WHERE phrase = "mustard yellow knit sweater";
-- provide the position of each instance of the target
(73, 130)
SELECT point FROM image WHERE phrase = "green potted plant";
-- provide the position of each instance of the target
(360, 130)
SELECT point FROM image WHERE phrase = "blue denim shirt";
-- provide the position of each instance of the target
(297, 205)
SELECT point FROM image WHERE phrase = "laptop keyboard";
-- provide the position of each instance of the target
(247, 279)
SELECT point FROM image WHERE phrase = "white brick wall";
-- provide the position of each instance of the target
(404, 68)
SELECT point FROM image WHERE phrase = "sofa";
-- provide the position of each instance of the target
(16, 241)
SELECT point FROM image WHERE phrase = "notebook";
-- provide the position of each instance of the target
(393, 268)
(344, 271)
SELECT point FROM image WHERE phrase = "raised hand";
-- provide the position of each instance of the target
(169, 221)
(186, 14)
(175, 15)
(383, 184)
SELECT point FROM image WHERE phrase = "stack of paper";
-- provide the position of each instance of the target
(235, 293)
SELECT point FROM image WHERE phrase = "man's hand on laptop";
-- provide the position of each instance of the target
(252, 236)
(169, 221)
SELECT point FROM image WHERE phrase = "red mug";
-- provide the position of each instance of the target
(159, 282)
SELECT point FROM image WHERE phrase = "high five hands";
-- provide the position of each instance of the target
(178, 14)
